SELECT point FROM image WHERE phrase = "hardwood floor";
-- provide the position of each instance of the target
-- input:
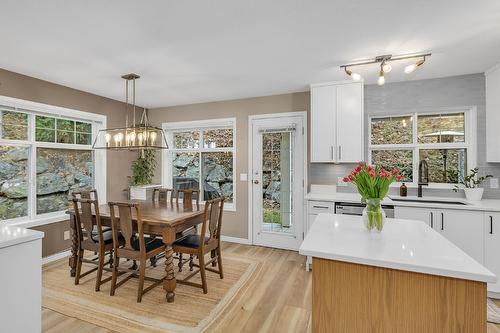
(280, 301)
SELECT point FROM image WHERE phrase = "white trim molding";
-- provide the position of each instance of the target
(55, 257)
(235, 240)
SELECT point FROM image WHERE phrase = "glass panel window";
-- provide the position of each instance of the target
(65, 131)
(217, 175)
(45, 129)
(186, 170)
(441, 128)
(14, 125)
(83, 133)
(187, 140)
(445, 165)
(59, 173)
(218, 138)
(399, 159)
(13, 182)
(392, 130)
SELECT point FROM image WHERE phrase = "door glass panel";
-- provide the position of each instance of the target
(277, 171)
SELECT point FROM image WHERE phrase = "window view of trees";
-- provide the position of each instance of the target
(204, 157)
(436, 142)
(49, 129)
(14, 125)
(13, 182)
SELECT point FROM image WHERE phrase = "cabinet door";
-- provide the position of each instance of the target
(310, 221)
(323, 110)
(492, 247)
(464, 229)
(350, 122)
(411, 213)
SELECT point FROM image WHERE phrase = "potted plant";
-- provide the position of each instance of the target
(373, 184)
(470, 183)
(143, 168)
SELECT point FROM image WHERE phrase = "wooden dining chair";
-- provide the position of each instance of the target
(135, 246)
(187, 197)
(200, 245)
(162, 194)
(91, 236)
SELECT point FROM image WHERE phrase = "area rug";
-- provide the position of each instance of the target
(192, 310)
(493, 312)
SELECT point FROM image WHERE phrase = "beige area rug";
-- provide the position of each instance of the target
(493, 312)
(192, 310)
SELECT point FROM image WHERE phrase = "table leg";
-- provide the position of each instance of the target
(74, 246)
(170, 282)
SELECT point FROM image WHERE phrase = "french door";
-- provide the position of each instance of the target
(277, 180)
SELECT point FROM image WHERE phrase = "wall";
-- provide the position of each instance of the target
(235, 223)
(400, 97)
(118, 163)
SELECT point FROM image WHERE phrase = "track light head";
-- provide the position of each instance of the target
(381, 77)
(411, 68)
(354, 76)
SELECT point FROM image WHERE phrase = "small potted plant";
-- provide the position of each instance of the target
(470, 184)
(373, 183)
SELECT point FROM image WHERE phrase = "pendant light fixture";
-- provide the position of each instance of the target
(134, 136)
(385, 67)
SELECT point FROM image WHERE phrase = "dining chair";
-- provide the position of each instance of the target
(200, 245)
(135, 246)
(91, 236)
(162, 194)
(187, 197)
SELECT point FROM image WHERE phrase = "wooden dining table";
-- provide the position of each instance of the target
(164, 219)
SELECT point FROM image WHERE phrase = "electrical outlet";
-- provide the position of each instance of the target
(493, 182)
(67, 235)
(340, 181)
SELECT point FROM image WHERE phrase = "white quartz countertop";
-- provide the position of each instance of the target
(403, 244)
(12, 235)
(483, 205)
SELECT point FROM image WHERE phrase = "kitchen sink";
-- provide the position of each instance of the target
(431, 201)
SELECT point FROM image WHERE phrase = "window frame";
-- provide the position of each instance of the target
(470, 119)
(33, 109)
(197, 125)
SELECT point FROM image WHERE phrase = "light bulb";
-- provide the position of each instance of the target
(356, 76)
(139, 137)
(107, 137)
(381, 78)
(152, 137)
(132, 138)
(386, 68)
(410, 68)
(127, 139)
(116, 137)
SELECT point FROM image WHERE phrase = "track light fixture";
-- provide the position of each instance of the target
(385, 67)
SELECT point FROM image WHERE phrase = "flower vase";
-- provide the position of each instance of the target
(374, 215)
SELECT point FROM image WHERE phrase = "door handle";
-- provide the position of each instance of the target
(256, 181)
(442, 221)
(432, 220)
(491, 224)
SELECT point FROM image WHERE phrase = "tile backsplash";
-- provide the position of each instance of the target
(409, 96)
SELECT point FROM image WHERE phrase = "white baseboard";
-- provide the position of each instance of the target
(235, 240)
(56, 256)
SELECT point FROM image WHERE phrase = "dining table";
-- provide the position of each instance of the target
(160, 218)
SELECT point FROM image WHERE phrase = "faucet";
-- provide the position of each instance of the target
(423, 176)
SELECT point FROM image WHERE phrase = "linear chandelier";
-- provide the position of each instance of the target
(385, 67)
(136, 136)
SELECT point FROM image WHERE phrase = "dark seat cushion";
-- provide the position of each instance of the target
(190, 241)
(151, 243)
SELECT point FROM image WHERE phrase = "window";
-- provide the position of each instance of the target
(201, 156)
(446, 140)
(44, 157)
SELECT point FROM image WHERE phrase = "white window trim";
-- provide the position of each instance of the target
(470, 140)
(166, 157)
(98, 122)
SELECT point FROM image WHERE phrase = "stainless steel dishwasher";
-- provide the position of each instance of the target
(349, 208)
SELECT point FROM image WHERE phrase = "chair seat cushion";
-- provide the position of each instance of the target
(190, 241)
(151, 243)
(107, 235)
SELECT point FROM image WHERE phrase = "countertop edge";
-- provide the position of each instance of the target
(30, 236)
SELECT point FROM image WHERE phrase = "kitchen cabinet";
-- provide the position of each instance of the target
(463, 228)
(492, 114)
(337, 122)
(313, 209)
(492, 247)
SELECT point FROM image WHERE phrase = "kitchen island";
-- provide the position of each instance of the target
(408, 278)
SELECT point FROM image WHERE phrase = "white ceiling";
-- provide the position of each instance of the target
(194, 51)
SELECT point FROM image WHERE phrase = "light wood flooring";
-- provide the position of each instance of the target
(280, 301)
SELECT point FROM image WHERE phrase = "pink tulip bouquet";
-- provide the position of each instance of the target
(373, 183)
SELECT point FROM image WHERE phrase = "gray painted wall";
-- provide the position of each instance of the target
(401, 97)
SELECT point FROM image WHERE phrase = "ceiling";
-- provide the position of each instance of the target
(197, 51)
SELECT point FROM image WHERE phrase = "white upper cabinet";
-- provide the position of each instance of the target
(493, 114)
(337, 122)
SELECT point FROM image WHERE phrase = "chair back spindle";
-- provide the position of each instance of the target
(212, 220)
(83, 204)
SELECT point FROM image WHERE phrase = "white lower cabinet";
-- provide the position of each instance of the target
(463, 228)
(313, 209)
(492, 247)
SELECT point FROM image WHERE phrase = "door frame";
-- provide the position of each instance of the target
(303, 114)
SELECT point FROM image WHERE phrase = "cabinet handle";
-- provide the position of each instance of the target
(332, 154)
(491, 224)
(323, 207)
(442, 221)
(432, 220)
(340, 152)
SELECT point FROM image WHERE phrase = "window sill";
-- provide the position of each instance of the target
(39, 221)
